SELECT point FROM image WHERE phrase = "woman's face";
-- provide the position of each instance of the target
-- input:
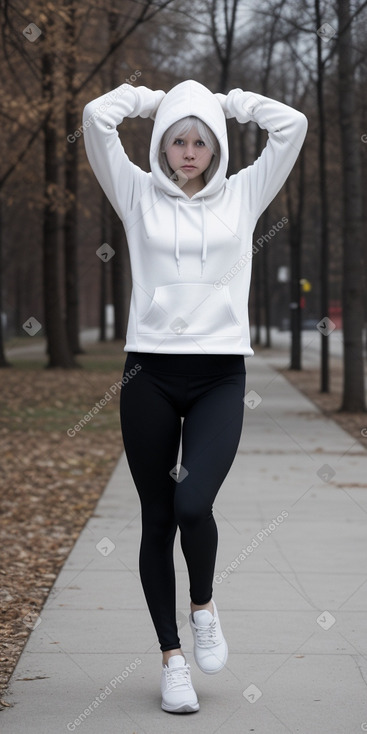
(189, 154)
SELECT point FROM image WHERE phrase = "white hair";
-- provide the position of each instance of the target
(181, 128)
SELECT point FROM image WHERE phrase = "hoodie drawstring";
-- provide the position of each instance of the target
(204, 239)
(177, 240)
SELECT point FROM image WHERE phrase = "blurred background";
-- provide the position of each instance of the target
(64, 300)
(309, 272)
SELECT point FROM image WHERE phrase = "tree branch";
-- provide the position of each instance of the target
(120, 41)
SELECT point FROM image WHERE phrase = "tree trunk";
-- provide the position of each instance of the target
(117, 275)
(72, 122)
(295, 240)
(324, 264)
(295, 304)
(103, 273)
(116, 229)
(265, 283)
(102, 302)
(3, 361)
(127, 283)
(224, 53)
(261, 263)
(353, 267)
(57, 343)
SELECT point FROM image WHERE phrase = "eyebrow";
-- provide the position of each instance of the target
(180, 137)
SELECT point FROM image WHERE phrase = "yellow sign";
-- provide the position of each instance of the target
(306, 285)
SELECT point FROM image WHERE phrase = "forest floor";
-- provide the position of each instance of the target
(52, 481)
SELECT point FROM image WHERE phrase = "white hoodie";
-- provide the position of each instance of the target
(190, 257)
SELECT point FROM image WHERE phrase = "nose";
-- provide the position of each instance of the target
(189, 152)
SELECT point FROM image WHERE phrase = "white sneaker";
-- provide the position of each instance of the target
(210, 647)
(178, 695)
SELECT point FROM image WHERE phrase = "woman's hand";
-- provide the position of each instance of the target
(148, 101)
(238, 104)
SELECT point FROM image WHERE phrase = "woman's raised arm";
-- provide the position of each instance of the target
(286, 127)
(121, 180)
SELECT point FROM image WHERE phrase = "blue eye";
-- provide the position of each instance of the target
(199, 143)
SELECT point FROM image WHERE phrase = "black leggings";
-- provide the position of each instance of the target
(207, 391)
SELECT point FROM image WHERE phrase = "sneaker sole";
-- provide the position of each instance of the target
(184, 708)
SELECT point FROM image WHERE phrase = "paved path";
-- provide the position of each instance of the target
(293, 604)
(311, 340)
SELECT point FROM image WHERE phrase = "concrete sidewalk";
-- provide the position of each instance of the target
(290, 586)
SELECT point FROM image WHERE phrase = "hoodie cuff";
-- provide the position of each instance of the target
(147, 102)
(241, 105)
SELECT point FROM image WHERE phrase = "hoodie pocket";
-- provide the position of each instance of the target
(191, 308)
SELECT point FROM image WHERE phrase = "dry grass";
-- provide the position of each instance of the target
(51, 482)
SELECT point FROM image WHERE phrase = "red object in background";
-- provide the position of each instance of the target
(302, 302)
(336, 314)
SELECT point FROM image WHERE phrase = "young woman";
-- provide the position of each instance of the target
(189, 231)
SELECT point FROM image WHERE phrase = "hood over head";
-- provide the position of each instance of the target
(183, 100)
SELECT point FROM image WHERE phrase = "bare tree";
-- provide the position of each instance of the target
(295, 212)
(224, 40)
(353, 236)
(262, 297)
(3, 361)
(59, 352)
(70, 228)
(324, 211)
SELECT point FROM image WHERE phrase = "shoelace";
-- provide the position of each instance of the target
(177, 676)
(206, 635)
